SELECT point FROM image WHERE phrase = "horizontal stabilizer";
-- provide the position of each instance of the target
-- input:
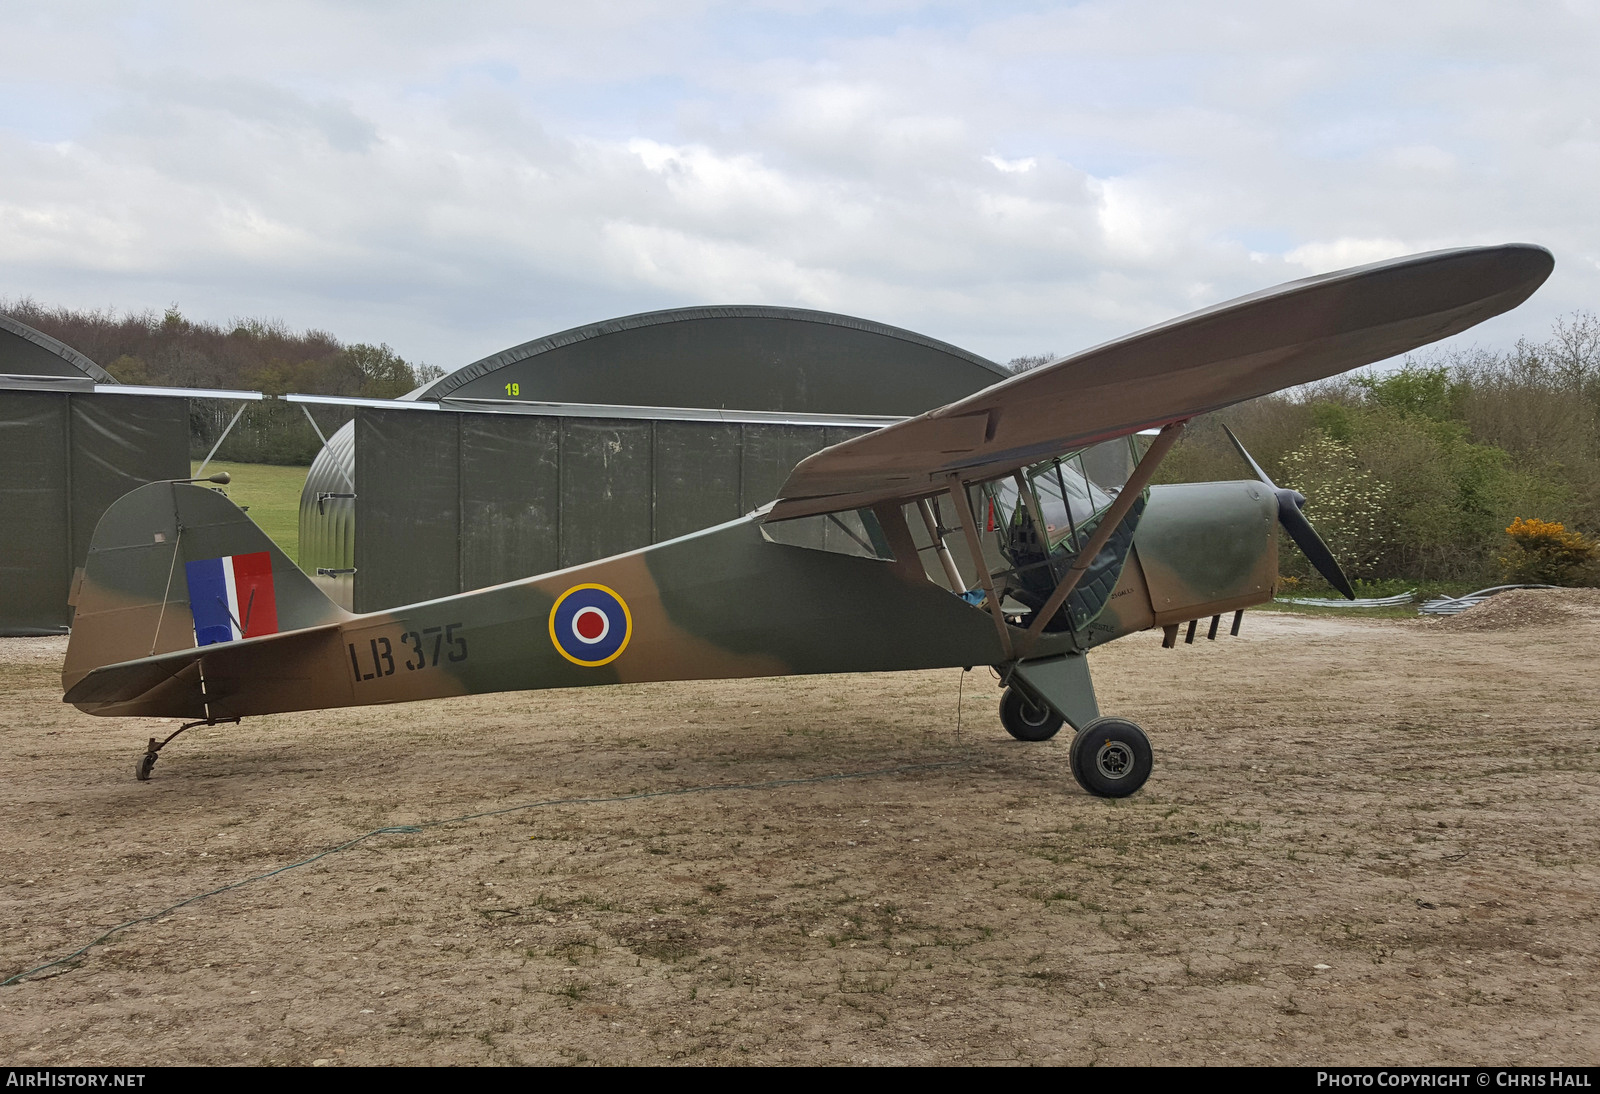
(174, 675)
(1292, 334)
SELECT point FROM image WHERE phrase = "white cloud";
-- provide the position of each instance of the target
(1011, 167)
(456, 180)
(1136, 224)
(1320, 257)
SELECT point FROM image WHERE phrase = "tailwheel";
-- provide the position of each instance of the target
(152, 751)
(141, 769)
(1111, 757)
(1026, 720)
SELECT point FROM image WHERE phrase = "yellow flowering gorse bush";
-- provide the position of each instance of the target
(1546, 552)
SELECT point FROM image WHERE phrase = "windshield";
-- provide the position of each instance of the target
(1067, 498)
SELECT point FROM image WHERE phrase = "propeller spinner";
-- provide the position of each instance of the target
(1305, 537)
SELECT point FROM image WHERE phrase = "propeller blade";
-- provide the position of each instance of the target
(1305, 537)
(1249, 459)
(1299, 528)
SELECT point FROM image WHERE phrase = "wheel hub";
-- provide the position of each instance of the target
(1114, 760)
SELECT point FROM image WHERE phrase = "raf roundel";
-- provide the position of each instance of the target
(590, 625)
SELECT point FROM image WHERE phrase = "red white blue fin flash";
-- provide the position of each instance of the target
(232, 597)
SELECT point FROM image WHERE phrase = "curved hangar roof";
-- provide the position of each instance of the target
(27, 352)
(734, 357)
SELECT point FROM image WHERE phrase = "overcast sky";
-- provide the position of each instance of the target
(1013, 178)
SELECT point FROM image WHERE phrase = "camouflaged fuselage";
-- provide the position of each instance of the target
(723, 602)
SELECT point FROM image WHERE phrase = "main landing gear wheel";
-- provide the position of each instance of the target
(1111, 757)
(1025, 720)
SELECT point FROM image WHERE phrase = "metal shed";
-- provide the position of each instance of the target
(599, 440)
(66, 453)
(25, 352)
(736, 357)
(72, 441)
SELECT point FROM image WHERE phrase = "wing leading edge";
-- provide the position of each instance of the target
(1277, 338)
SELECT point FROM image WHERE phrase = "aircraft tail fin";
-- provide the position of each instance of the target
(174, 567)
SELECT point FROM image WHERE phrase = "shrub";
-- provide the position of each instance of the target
(1544, 552)
(1345, 502)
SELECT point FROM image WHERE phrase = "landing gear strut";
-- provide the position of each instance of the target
(1111, 757)
(142, 768)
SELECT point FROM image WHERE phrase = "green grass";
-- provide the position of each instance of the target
(1404, 611)
(1425, 590)
(270, 494)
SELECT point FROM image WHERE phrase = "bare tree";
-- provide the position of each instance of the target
(1029, 361)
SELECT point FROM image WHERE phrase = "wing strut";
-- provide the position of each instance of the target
(1131, 490)
(969, 525)
(958, 584)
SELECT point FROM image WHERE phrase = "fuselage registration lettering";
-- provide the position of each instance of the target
(375, 656)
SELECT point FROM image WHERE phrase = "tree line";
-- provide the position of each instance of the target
(1461, 465)
(1465, 465)
(172, 350)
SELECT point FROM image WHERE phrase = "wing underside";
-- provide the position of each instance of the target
(1291, 334)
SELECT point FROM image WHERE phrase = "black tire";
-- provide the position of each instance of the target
(1026, 720)
(1111, 757)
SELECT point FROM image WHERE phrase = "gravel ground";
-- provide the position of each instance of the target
(1527, 608)
(1364, 842)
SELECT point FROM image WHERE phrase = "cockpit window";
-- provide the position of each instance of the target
(1068, 500)
(1040, 530)
(848, 533)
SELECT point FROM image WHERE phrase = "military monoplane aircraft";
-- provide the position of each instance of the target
(187, 610)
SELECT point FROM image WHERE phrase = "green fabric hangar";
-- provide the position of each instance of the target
(601, 439)
(72, 441)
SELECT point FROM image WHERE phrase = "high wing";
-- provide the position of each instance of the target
(1291, 334)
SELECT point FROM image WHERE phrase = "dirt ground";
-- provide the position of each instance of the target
(1364, 842)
